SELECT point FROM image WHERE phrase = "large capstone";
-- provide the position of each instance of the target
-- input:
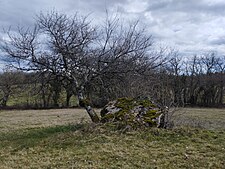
(132, 112)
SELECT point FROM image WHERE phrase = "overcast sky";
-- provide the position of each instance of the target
(191, 26)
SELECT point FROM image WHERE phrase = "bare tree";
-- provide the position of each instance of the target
(177, 79)
(72, 49)
(221, 70)
(10, 82)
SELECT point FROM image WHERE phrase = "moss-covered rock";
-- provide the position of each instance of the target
(132, 111)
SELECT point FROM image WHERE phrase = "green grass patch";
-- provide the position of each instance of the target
(101, 146)
(30, 138)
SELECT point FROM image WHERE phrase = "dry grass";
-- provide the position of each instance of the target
(27, 119)
(44, 139)
(207, 118)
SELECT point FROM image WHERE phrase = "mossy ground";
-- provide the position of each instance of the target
(84, 145)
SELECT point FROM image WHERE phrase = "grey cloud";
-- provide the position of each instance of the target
(17, 12)
(187, 6)
(188, 25)
(13, 12)
(218, 41)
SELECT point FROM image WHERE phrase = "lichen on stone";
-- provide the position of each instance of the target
(131, 111)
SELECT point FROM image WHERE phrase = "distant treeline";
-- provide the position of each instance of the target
(199, 81)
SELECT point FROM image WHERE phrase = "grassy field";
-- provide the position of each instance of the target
(65, 138)
(206, 118)
(27, 119)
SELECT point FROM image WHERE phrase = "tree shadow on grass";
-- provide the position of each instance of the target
(29, 138)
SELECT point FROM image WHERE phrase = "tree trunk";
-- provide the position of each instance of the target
(4, 100)
(44, 98)
(55, 98)
(69, 94)
(94, 117)
(84, 102)
(221, 89)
